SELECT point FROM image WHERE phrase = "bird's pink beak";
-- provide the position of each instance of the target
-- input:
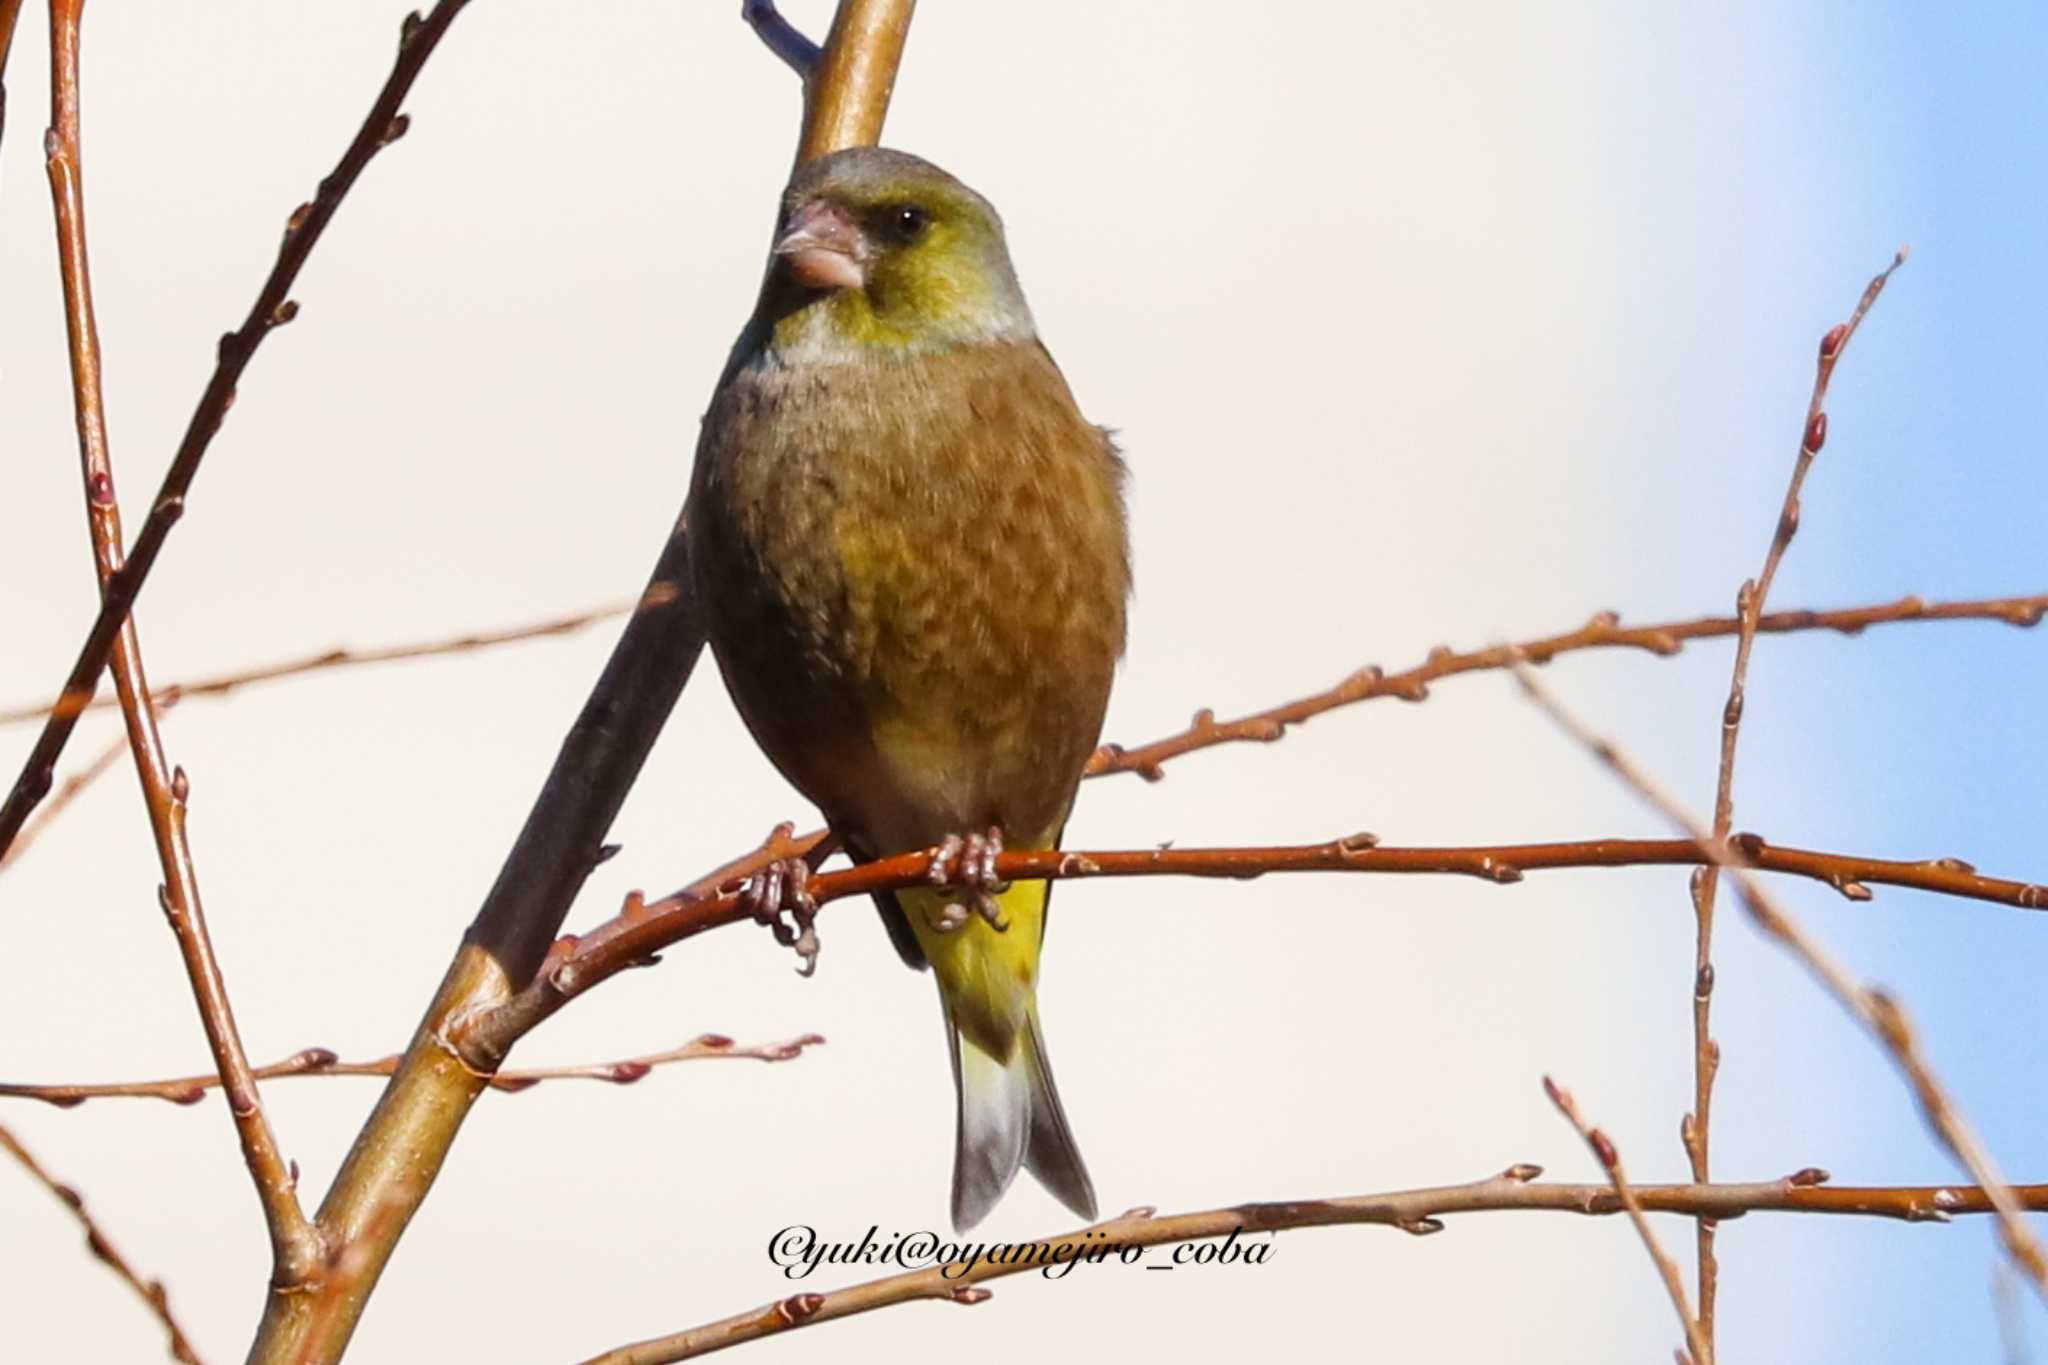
(821, 245)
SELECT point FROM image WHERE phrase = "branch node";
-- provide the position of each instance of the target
(798, 1309)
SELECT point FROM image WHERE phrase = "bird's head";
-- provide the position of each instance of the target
(879, 251)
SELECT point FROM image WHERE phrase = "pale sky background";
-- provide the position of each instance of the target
(1422, 324)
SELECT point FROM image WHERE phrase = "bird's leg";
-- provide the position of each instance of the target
(968, 864)
(783, 888)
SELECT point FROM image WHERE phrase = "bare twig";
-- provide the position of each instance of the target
(165, 791)
(1605, 1152)
(320, 1061)
(340, 657)
(400, 1149)
(1602, 631)
(68, 792)
(1696, 1127)
(578, 962)
(1872, 1007)
(780, 36)
(151, 1292)
(272, 309)
(1098, 1249)
(10, 10)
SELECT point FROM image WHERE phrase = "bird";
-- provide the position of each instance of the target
(912, 554)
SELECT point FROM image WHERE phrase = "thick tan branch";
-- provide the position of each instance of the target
(400, 1149)
(846, 94)
(150, 1292)
(1099, 1248)
(320, 1061)
(294, 1245)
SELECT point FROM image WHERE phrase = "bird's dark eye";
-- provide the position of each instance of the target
(908, 222)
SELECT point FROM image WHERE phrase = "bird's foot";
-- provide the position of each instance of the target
(967, 863)
(779, 896)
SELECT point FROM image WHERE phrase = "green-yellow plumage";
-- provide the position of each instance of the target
(911, 549)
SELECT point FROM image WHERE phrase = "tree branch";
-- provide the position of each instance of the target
(70, 791)
(1749, 604)
(1605, 1152)
(221, 684)
(10, 11)
(781, 37)
(1873, 1008)
(1419, 1212)
(846, 94)
(294, 1245)
(151, 1292)
(576, 963)
(320, 1061)
(1603, 631)
(400, 1149)
(272, 309)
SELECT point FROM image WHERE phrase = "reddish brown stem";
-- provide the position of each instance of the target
(1872, 1007)
(1609, 1157)
(72, 788)
(294, 1244)
(320, 1061)
(150, 1292)
(221, 684)
(1418, 1212)
(1602, 631)
(1749, 605)
(642, 929)
(272, 308)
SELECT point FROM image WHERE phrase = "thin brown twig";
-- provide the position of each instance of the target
(70, 790)
(273, 308)
(578, 962)
(10, 10)
(320, 1061)
(1602, 631)
(391, 1168)
(151, 1292)
(294, 1243)
(1609, 1156)
(1873, 1007)
(221, 684)
(1095, 1249)
(1695, 1129)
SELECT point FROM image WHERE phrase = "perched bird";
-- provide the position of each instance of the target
(911, 550)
